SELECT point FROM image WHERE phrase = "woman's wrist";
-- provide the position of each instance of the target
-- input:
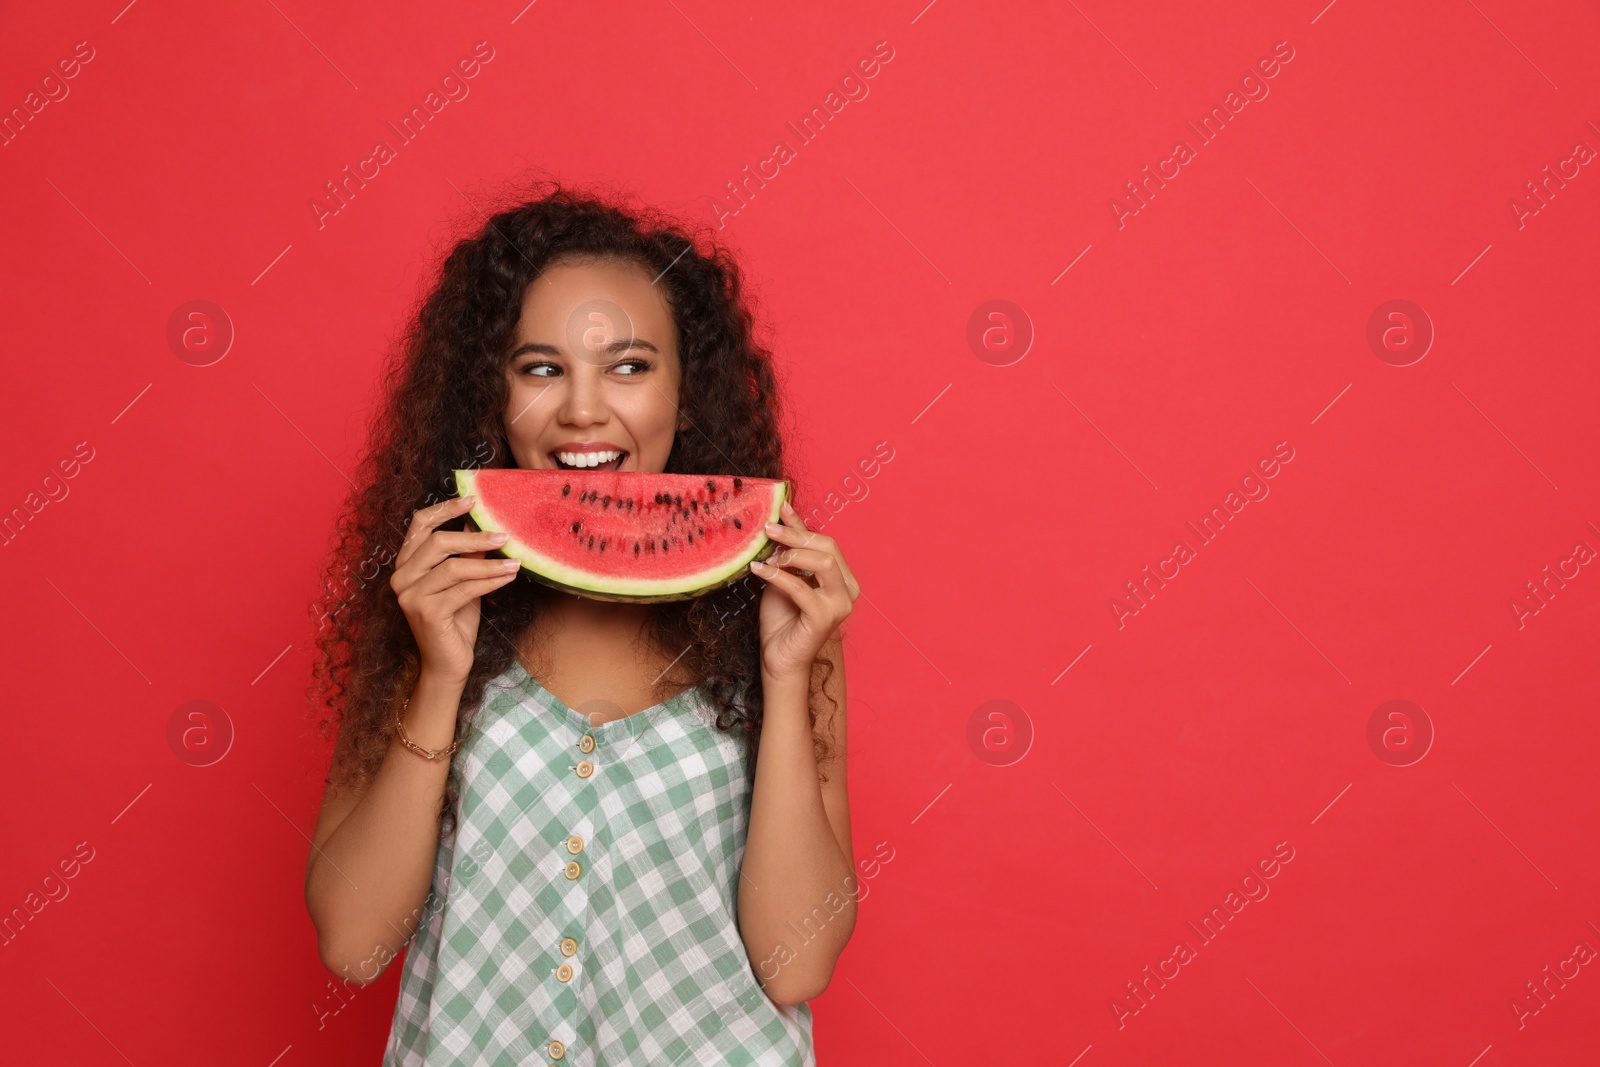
(776, 684)
(429, 716)
(436, 680)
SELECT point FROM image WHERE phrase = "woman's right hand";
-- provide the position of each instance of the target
(438, 577)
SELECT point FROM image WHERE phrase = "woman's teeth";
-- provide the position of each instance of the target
(588, 460)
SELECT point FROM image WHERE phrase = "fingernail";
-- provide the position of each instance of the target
(468, 501)
(499, 538)
(774, 528)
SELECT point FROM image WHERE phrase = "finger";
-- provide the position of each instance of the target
(465, 592)
(851, 586)
(804, 597)
(792, 518)
(445, 543)
(794, 531)
(830, 581)
(791, 534)
(454, 571)
(831, 546)
(811, 560)
(827, 545)
(425, 521)
(439, 546)
(497, 539)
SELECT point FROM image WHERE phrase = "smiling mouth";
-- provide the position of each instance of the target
(610, 465)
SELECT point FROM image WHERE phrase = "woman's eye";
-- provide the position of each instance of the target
(535, 369)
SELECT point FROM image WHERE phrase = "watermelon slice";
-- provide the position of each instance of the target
(629, 536)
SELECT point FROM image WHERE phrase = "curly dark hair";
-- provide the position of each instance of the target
(445, 392)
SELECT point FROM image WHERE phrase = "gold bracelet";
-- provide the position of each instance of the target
(430, 754)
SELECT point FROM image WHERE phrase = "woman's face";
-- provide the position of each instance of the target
(594, 369)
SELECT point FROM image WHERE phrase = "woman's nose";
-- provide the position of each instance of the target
(585, 398)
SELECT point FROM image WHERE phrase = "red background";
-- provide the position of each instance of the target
(1229, 314)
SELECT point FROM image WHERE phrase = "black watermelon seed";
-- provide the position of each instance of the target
(737, 525)
(606, 502)
(591, 540)
(737, 482)
(565, 489)
(678, 500)
(711, 485)
(686, 513)
(663, 544)
(602, 546)
(691, 539)
(702, 531)
(636, 548)
(575, 526)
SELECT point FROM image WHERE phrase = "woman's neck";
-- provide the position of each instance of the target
(583, 620)
(610, 637)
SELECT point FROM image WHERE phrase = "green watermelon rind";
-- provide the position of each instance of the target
(550, 573)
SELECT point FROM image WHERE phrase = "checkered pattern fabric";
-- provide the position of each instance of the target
(583, 905)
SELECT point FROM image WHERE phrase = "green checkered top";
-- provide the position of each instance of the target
(582, 912)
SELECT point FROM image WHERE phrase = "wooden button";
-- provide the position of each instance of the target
(585, 769)
(569, 947)
(557, 1050)
(586, 743)
(574, 868)
(574, 844)
(564, 972)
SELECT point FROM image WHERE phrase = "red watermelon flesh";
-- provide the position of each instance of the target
(627, 535)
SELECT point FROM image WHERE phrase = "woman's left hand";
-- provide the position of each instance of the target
(809, 593)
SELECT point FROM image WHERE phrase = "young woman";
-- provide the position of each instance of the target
(618, 833)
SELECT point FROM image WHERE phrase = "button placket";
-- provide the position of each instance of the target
(570, 853)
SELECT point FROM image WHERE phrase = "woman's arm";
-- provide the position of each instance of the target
(373, 851)
(797, 891)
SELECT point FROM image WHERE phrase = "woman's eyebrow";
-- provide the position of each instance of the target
(620, 345)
